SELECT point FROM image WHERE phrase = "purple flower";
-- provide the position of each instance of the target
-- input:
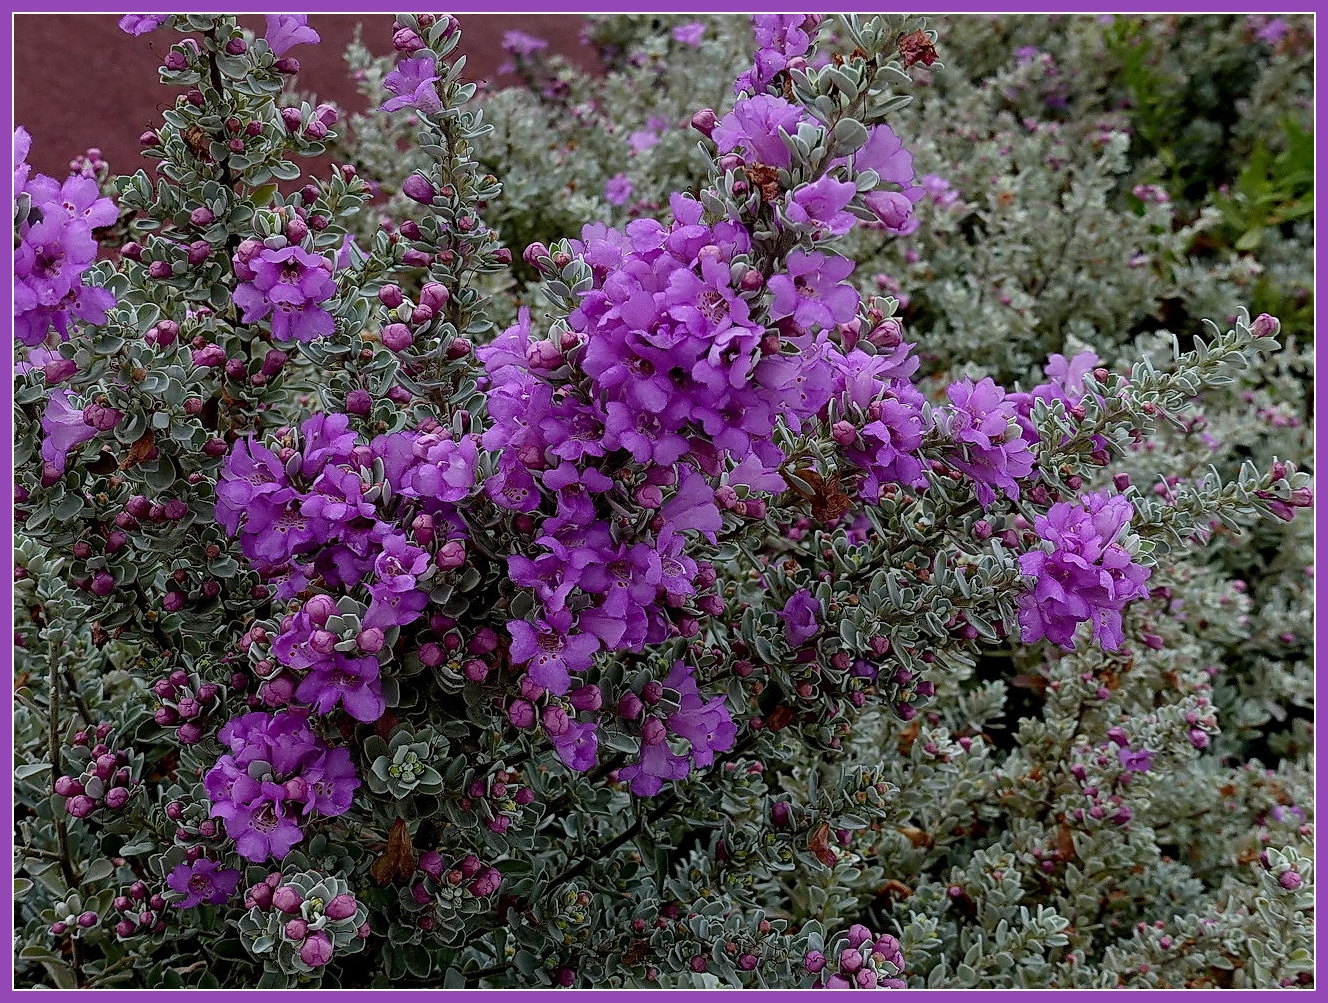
(351, 682)
(1084, 576)
(413, 84)
(141, 24)
(617, 190)
(779, 38)
(657, 762)
(63, 429)
(1135, 760)
(285, 31)
(289, 284)
(820, 205)
(54, 247)
(519, 43)
(300, 774)
(810, 291)
(706, 724)
(753, 127)
(551, 650)
(690, 33)
(801, 616)
(203, 881)
(989, 447)
(578, 746)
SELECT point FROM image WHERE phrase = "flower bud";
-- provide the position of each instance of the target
(521, 713)
(419, 189)
(317, 950)
(287, 899)
(704, 122)
(341, 907)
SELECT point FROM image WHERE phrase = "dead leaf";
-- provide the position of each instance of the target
(398, 859)
(779, 719)
(819, 844)
(141, 450)
(916, 836)
(916, 47)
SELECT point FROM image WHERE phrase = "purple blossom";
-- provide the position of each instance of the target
(690, 33)
(779, 39)
(578, 746)
(285, 31)
(63, 429)
(551, 650)
(1085, 575)
(982, 421)
(706, 724)
(656, 764)
(801, 616)
(203, 881)
(141, 24)
(288, 284)
(54, 247)
(753, 127)
(811, 291)
(618, 189)
(820, 206)
(520, 43)
(413, 84)
(260, 804)
(1135, 760)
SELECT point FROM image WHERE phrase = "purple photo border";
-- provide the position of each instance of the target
(1320, 516)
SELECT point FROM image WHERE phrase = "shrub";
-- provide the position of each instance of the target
(590, 538)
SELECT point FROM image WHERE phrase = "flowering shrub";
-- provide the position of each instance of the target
(632, 559)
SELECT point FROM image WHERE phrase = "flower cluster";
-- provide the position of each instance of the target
(319, 511)
(286, 283)
(202, 881)
(989, 443)
(1086, 574)
(54, 247)
(276, 775)
(780, 39)
(858, 965)
(302, 920)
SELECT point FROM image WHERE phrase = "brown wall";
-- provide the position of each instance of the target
(79, 81)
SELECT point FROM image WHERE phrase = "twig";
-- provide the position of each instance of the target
(61, 832)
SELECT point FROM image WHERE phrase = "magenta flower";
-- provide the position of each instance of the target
(141, 24)
(811, 291)
(413, 84)
(578, 746)
(801, 616)
(551, 651)
(64, 429)
(706, 724)
(285, 31)
(520, 43)
(753, 127)
(690, 33)
(820, 205)
(618, 189)
(288, 284)
(989, 446)
(656, 764)
(1084, 576)
(203, 881)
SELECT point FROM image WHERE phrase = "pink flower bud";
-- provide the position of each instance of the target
(341, 907)
(1265, 326)
(521, 713)
(317, 950)
(287, 899)
(451, 555)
